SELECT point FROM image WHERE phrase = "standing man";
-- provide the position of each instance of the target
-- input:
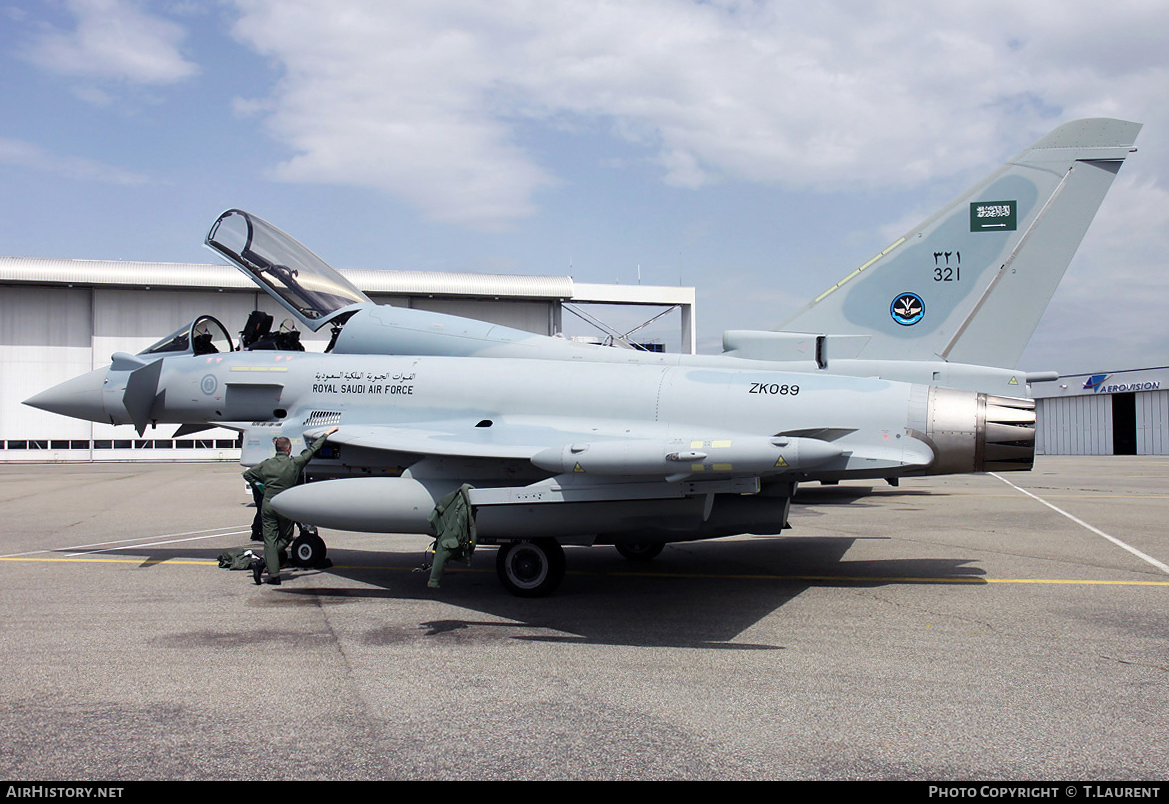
(273, 476)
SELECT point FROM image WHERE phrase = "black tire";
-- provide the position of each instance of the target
(308, 550)
(530, 569)
(640, 551)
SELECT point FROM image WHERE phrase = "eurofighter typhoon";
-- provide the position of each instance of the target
(905, 367)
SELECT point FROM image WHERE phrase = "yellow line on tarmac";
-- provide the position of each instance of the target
(826, 579)
(135, 561)
(879, 579)
(1077, 496)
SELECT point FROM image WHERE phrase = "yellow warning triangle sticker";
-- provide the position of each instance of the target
(781, 461)
(578, 468)
(1013, 381)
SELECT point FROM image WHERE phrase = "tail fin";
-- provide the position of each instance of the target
(970, 284)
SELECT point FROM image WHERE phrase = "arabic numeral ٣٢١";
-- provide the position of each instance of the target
(947, 266)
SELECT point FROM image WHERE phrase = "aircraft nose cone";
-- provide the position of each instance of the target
(80, 397)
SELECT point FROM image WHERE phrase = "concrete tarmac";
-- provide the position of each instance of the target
(949, 629)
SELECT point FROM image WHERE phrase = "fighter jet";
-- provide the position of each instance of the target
(562, 443)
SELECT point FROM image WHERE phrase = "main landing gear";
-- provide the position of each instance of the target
(640, 551)
(531, 568)
(535, 568)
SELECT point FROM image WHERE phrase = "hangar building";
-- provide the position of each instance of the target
(61, 318)
(1118, 413)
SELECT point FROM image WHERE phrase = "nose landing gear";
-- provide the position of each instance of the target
(308, 549)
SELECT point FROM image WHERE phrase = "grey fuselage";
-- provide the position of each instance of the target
(586, 450)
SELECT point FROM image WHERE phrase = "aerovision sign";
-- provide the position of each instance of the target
(1098, 384)
(1117, 382)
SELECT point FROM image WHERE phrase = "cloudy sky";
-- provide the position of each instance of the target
(755, 150)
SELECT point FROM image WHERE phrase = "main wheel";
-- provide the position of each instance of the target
(640, 551)
(308, 550)
(530, 569)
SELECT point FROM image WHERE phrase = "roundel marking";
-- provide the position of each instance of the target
(907, 309)
(209, 384)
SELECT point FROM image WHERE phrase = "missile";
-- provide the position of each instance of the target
(681, 458)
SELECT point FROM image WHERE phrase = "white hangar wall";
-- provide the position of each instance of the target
(1109, 413)
(1074, 426)
(62, 318)
(50, 334)
(1153, 423)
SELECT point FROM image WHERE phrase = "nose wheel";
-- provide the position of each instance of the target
(308, 550)
(530, 569)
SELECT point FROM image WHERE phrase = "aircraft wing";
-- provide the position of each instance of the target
(607, 448)
(489, 439)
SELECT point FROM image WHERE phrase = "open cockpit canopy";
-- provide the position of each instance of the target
(301, 281)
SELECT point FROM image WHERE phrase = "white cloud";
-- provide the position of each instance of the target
(1111, 304)
(429, 101)
(29, 155)
(114, 40)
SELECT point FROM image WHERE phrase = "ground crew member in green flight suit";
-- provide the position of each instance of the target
(275, 475)
(453, 523)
